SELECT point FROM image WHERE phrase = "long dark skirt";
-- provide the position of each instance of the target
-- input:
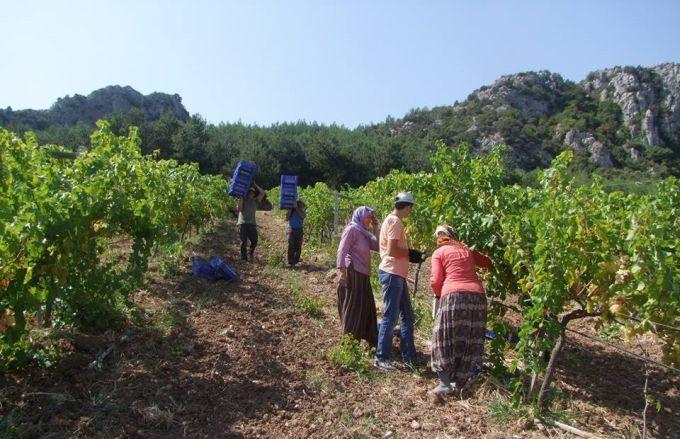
(458, 339)
(356, 308)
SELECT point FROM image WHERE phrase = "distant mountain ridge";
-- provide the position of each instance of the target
(617, 117)
(625, 118)
(98, 104)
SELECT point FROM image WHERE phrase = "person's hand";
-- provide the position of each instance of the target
(342, 280)
(415, 256)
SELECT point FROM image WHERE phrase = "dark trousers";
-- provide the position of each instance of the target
(247, 232)
(294, 245)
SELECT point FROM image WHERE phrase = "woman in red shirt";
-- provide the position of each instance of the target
(460, 321)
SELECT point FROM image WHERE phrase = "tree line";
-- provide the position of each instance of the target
(315, 152)
(341, 156)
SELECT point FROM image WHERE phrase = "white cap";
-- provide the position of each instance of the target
(445, 229)
(405, 197)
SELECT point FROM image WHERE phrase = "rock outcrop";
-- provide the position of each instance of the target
(613, 116)
(98, 104)
(537, 93)
(649, 99)
(670, 100)
(579, 141)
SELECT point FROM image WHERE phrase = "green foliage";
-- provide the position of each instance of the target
(502, 412)
(422, 316)
(205, 300)
(349, 355)
(275, 260)
(309, 305)
(340, 156)
(171, 258)
(558, 247)
(59, 216)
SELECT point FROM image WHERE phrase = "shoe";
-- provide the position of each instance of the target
(441, 389)
(384, 365)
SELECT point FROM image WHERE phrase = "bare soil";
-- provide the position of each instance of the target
(202, 359)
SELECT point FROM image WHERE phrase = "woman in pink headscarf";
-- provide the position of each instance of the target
(356, 305)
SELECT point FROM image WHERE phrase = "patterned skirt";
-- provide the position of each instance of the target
(458, 339)
(356, 308)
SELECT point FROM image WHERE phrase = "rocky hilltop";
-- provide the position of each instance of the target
(88, 109)
(537, 93)
(649, 99)
(618, 117)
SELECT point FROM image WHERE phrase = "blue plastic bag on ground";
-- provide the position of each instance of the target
(511, 337)
(213, 269)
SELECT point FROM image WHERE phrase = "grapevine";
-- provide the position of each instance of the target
(561, 251)
(58, 215)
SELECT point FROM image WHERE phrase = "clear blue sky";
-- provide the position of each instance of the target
(344, 61)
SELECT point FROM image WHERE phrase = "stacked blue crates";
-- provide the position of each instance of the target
(288, 193)
(242, 178)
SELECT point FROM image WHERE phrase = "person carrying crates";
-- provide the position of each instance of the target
(296, 220)
(247, 224)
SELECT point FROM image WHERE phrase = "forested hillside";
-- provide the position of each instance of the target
(618, 121)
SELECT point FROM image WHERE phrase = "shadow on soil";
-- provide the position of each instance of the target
(209, 363)
(614, 380)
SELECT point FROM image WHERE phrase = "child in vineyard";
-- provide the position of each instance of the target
(393, 272)
(356, 305)
(247, 224)
(296, 220)
(460, 322)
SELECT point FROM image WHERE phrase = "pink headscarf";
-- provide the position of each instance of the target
(358, 216)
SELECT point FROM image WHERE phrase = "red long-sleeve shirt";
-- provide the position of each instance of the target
(454, 269)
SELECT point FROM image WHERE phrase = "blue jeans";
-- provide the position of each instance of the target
(397, 304)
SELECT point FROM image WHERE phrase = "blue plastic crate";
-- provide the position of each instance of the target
(242, 178)
(288, 193)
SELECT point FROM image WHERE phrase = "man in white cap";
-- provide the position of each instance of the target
(392, 272)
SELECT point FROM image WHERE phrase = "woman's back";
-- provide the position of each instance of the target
(454, 268)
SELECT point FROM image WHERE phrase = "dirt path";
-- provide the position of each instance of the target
(247, 360)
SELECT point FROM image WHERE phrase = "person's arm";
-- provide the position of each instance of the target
(289, 212)
(395, 232)
(299, 211)
(481, 260)
(375, 245)
(261, 192)
(343, 248)
(437, 275)
(375, 226)
(239, 207)
(375, 229)
(395, 251)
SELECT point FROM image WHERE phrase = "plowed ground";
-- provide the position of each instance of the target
(246, 359)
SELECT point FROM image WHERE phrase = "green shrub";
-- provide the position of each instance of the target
(349, 355)
(309, 305)
(171, 258)
(275, 260)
